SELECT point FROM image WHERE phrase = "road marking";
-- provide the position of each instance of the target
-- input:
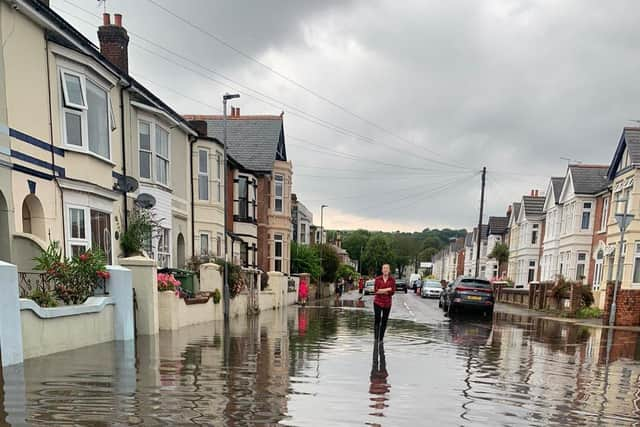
(409, 310)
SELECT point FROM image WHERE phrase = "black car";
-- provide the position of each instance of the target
(401, 285)
(468, 293)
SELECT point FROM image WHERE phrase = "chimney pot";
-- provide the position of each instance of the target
(237, 111)
(118, 19)
(106, 19)
(233, 111)
(114, 42)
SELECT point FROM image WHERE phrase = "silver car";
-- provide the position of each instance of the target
(431, 289)
(369, 287)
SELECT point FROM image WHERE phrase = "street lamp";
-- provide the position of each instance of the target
(225, 98)
(623, 220)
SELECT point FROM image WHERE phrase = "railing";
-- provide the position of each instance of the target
(30, 281)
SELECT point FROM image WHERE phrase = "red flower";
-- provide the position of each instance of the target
(83, 257)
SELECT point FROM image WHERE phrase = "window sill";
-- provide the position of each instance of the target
(88, 153)
(156, 184)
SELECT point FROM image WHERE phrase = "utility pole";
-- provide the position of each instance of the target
(623, 221)
(319, 290)
(484, 178)
(226, 292)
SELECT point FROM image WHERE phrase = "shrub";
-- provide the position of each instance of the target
(74, 279)
(43, 297)
(236, 282)
(140, 226)
(589, 313)
(216, 296)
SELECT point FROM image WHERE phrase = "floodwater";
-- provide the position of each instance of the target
(319, 366)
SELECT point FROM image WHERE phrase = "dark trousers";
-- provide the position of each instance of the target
(380, 324)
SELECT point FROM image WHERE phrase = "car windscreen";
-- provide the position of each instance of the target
(475, 283)
(433, 285)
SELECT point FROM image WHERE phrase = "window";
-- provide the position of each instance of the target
(636, 264)
(532, 271)
(219, 245)
(597, 274)
(612, 258)
(88, 229)
(279, 184)
(86, 112)
(244, 254)
(219, 175)
(586, 215)
(580, 266)
(153, 143)
(204, 244)
(78, 235)
(144, 142)
(164, 248)
(534, 234)
(303, 233)
(605, 214)
(162, 155)
(203, 174)
(243, 197)
(278, 252)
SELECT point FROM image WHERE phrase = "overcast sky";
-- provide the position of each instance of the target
(418, 95)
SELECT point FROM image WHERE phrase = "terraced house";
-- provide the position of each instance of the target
(525, 240)
(83, 140)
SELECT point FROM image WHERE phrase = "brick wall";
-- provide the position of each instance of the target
(460, 266)
(627, 306)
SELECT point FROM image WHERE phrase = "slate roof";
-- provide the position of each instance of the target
(483, 232)
(468, 240)
(558, 183)
(252, 140)
(589, 179)
(533, 205)
(630, 138)
(498, 224)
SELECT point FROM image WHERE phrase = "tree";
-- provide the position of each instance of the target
(305, 260)
(330, 261)
(376, 253)
(345, 271)
(354, 243)
(500, 253)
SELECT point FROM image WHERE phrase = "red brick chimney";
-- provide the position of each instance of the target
(114, 41)
(509, 210)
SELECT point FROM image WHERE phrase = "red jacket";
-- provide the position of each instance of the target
(384, 300)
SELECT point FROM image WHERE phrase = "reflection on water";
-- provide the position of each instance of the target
(313, 366)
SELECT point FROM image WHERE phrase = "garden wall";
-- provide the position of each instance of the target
(52, 330)
(627, 306)
(176, 313)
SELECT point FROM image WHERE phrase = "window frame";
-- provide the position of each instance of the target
(586, 213)
(581, 263)
(204, 174)
(636, 258)
(154, 124)
(245, 179)
(87, 241)
(278, 238)
(207, 237)
(161, 255)
(604, 220)
(219, 175)
(278, 181)
(535, 228)
(82, 112)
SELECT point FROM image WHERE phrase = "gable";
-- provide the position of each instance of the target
(550, 199)
(521, 215)
(567, 189)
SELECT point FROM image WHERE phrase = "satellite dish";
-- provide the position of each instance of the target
(145, 200)
(126, 184)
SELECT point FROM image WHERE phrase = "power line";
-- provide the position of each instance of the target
(287, 78)
(292, 109)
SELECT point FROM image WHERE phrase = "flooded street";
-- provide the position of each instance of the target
(319, 366)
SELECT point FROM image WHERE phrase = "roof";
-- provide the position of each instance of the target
(589, 179)
(630, 139)
(498, 224)
(557, 182)
(483, 232)
(254, 141)
(533, 205)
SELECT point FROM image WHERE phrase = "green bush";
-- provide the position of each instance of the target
(589, 313)
(140, 227)
(43, 297)
(216, 296)
(236, 282)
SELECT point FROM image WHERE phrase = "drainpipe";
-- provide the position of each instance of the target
(124, 154)
(53, 157)
(192, 140)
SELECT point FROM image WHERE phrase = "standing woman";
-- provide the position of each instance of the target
(385, 287)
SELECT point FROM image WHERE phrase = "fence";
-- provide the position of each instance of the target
(31, 281)
(541, 296)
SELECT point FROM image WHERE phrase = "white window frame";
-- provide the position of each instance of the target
(74, 241)
(146, 150)
(203, 174)
(163, 255)
(278, 180)
(597, 271)
(82, 112)
(605, 214)
(277, 240)
(535, 231)
(583, 263)
(153, 125)
(219, 170)
(207, 236)
(636, 256)
(586, 210)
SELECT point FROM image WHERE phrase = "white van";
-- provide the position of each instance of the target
(415, 281)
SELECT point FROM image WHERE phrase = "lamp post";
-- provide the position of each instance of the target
(226, 295)
(623, 221)
(318, 291)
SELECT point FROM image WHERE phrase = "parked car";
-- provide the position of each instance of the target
(469, 293)
(401, 285)
(369, 287)
(431, 289)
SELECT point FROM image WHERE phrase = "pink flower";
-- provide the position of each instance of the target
(83, 257)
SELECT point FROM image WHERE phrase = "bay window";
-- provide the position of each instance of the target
(203, 174)
(164, 248)
(86, 114)
(277, 252)
(581, 265)
(243, 197)
(586, 215)
(153, 152)
(244, 254)
(204, 244)
(88, 229)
